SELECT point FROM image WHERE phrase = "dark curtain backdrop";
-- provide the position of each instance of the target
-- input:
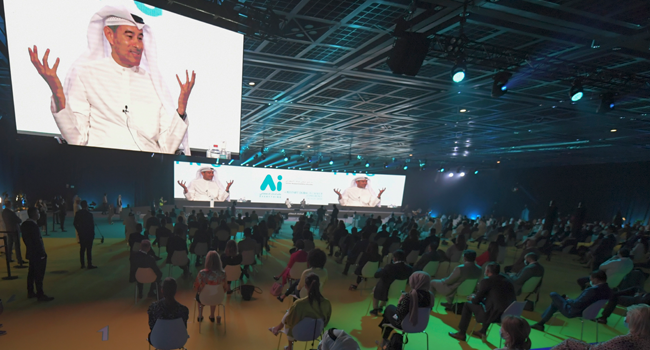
(603, 189)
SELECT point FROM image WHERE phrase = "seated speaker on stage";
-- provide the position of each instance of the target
(206, 186)
(360, 194)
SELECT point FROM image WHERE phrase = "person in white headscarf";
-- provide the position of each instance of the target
(337, 339)
(360, 194)
(206, 186)
(114, 95)
(288, 203)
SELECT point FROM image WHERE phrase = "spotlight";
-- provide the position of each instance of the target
(500, 85)
(458, 71)
(451, 175)
(462, 174)
(406, 167)
(576, 91)
(606, 103)
(386, 165)
(367, 165)
(286, 159)
(442, 170)
(331, 162)
(475, 172)
(251, 83)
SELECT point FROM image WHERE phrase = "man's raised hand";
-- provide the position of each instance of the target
(228, 184)
(380, 192)
(182, 183)
(186, 89)
(49, 74)
(338, 191)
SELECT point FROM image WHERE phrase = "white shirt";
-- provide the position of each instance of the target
(287, 203)
(616, 269)
(93, 114)
(358, 197)
(202, 190)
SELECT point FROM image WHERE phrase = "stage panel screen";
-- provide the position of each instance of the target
(125, 75)
(203, 182)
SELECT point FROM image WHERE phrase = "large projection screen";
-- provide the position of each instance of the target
(115, 106)
(266, 185)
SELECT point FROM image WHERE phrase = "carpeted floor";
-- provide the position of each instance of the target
(89, 300)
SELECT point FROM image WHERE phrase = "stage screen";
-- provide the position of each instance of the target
(120, 79)
(266, 185)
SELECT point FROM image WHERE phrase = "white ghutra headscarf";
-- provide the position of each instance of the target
(368, 186)
(215, 179)
(99, 48)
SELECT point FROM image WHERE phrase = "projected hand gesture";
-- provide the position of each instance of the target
(182, 183)
(228, 184)
(380, 192)
(186, 89)
(338, 191)
(49, 74)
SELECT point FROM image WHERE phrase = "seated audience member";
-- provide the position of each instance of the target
(314, 305)
(370, 255)
(519, 264)
(412, 242)
(431, 254)
(142, 259)
(337, 339)
(231, 257)
(533, 269)
(151, 221)
(409, 303)
(180, 224)
(299, 256)
(393, 238)
(571, 308)
(627, 297)
(248, 243)
(640, 249)
(638, 338)
(167, 308)
(495, 293)
(382, 234)
(136, 235)
(316, 265)
(616, 269)
(515, 331)
(467, 271)
(356, 250)
(203, 235)
(455, 251)
(177, 243)
(213, 275)
(398, 270)
(490, 255)
(162, 231)
(424, 244)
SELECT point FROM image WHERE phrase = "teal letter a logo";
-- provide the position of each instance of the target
(268, 183)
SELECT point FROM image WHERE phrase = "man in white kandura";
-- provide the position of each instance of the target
(206, 186)
(360, 194)
(288, 203)
(114, 95)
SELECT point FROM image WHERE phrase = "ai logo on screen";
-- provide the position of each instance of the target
(269, 183)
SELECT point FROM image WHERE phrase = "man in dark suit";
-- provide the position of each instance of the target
(63, 211)
(143, 259)
(398, 270)
(467, 271)
(152, 221)
(36, 255)
(85, 225)
(177, 242)
(356, 250)
(571, 308)
(136, 236)
(495, 294)
(429, 256)
(12, 223)
(162, 231)
(335, 213)
(532, 269)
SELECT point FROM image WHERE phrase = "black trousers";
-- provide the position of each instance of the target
(391, 310)
(292, 288)
(62, 220)
(152, 289)
(479, 312)
(624, 298)
(87, 247)
(35, 275)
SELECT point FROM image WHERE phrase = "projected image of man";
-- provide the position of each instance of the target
(114, 95)
(206, 186)
(360, 194)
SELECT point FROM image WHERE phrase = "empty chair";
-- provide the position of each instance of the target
(409, 328)
(201, 249)
(431, 268)
(395, 291)
(168, 334)
(465, 289)
(308, 329)
(248, 258)
(368, 271)
(412, 258)
(179, 258)
(144, 276)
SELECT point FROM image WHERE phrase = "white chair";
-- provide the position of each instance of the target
(431, 268)
(368, 271)
(532, 286)
(152, 231)
(515, 309)
(162, 242)
(212, 295)
(135, 247)
(179, 258)
(201, 249)
(590, 314)
(465, 289)
(409, 328)
(393, 247)
(412, 258)
(380, 242)
(233, 273)
(395, 290)
(144, 276)
(170, 227)
(192, 232)
(296, 270)
(248, 258)
(308, 329)
(168, 334)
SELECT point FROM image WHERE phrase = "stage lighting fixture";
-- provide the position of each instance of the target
(576, 92)
(286, 159)
(462, 173)
(475, 172)
(406, 167)
(458, 71)
(367, 165)
(500, 85)
(442, 170)
(606, 103)
(251, 83)
(358, 157)
(613, 130)
(451, 175)
(385, 165)
(331, 162)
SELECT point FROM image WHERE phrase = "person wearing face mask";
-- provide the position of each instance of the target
(515, 331)
(638, 338)
(533, 269)
(572, 308)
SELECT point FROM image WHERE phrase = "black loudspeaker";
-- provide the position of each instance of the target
(408, 53)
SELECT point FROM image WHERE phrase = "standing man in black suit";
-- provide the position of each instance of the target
(36, 255)
(12, 223)
(143, 259)
(85, 225)
(55, 212)
(335, 213)
(63, 210)
(494, 295)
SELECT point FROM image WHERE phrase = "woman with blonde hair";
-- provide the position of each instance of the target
(516, 333)
(638, 338)
(213, 274)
